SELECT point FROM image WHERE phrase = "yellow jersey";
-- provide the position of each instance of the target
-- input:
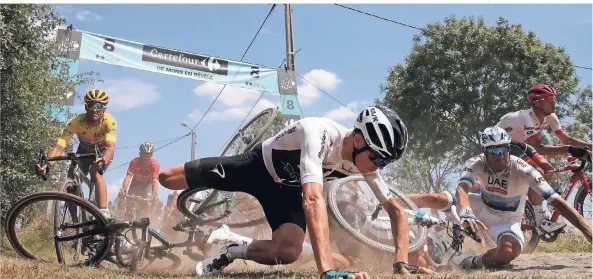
(104, 131)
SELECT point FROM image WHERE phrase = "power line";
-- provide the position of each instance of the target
(414, 27)
(325, 92)
(242, 57)
(153, 142)
(212, 104)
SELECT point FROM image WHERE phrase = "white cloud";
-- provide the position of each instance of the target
(322, 79)
(266, 31)
(86, 15)
(195, 115)
(79, 14)
(129, 93)
(233, 112)
(348, 112)
(342, 113)
(232, 96)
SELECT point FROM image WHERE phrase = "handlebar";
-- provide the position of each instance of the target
(70, 156)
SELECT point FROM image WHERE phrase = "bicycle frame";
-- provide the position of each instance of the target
(578, 175)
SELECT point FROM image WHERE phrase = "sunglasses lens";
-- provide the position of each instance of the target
(95, 106)
(499, 150)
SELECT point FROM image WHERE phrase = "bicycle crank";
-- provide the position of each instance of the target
(550, 237)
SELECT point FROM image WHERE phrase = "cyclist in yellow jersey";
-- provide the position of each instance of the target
(93, 127)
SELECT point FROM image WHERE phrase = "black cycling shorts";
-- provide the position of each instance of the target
(247, 173)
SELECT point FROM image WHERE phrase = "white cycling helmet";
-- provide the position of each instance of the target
(493, 136)
(383, 131)
(147, 147)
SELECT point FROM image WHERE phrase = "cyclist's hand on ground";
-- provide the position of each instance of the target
(468, 219)
(408, 269)
(40, 170)
(330, 274)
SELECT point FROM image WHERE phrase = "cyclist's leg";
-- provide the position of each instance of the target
(437, 201)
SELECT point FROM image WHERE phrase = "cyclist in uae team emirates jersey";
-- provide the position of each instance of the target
(524, 127)
(142, 172)
(285, 173)
(499, 205)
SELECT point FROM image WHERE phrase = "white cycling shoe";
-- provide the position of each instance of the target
(215, 264)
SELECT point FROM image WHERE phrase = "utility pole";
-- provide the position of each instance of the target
(289, 45)
(193, 141)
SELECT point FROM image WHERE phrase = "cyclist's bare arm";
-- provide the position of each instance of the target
(317, 223)
(126, 183)
(397, 216)
(570, 214)
(550, 150)
(462, 196)
(155, 186)
(109, 152)
(569, 140)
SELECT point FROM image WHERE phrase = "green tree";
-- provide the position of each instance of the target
(27, 88)
(462, 76)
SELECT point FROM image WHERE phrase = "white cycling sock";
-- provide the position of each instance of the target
(237, 252)
(540, 214)
(239, 239)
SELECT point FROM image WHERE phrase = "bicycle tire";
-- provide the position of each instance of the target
(14, 211)
(529, 213)
(333, 186)
(256, 139)
(66, 187)
(186, 194)
(579, 201)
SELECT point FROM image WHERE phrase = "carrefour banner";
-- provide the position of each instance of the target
(115, 51)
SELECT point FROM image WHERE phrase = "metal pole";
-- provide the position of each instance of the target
(193, 146)
(289, 45)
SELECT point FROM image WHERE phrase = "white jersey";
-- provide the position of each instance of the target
(523, 124)
(310, 150)
(506, 192)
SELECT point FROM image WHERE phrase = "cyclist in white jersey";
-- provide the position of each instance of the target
(286, 173)
(504, 181)
(524, 127)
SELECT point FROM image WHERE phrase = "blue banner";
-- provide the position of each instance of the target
(115, 51)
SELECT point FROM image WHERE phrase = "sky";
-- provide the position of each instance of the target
(347, 54)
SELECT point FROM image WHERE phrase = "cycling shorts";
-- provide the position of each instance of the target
(498, 224)
(247, 173)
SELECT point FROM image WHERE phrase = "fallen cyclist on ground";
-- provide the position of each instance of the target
(498, 207)
(286, 173)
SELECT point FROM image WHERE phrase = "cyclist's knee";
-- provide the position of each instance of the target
(173, 178)
(509, 248)
(288, 252)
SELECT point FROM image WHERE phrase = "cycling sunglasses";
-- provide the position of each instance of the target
(94, 106)
(377, 159)
(498, 150)
(549, 99)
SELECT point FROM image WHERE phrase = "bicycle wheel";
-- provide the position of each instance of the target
(214, 210)
(61, 214)
(342, 197)
(251, 134)
(34, 206)
(582, 203)
(529, 228)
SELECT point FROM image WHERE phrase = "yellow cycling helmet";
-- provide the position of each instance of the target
(96, 95)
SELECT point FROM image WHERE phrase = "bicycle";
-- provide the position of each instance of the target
(365, 224)
(582, 196)
(446, 249)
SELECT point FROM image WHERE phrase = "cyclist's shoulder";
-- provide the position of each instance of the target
(109, 119)
(153, 162)
(77, 120)
(519, 115)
